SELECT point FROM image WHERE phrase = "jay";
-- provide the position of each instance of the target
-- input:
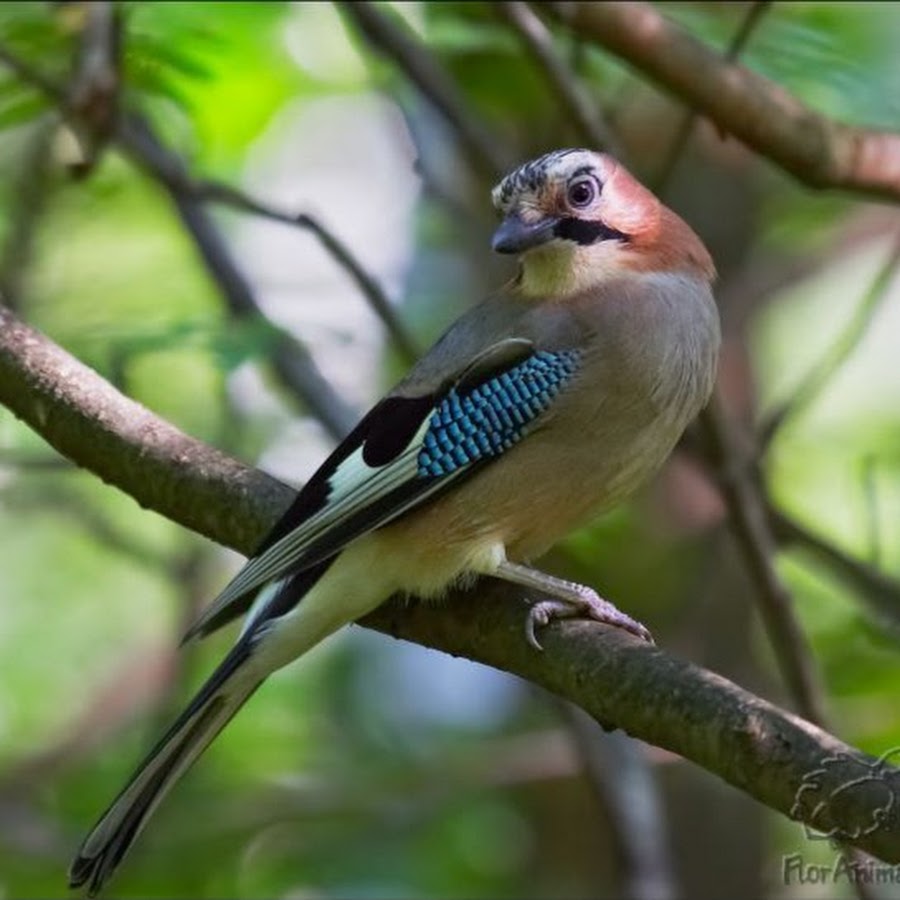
(540, 408)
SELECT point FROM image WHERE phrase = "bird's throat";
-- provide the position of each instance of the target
(557, 271)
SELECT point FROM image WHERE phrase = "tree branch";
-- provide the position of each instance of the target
(88, 421)
(777, 758)
(880, 592)
(291, 360)
(422, 68)
(814, 149)
(748, 517)
(577, 105)
(227, 195)
(685, 127)
(817, 378)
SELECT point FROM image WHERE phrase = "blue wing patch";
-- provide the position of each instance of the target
(483, 422)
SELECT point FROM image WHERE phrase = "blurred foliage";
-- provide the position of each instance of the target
(374, 769)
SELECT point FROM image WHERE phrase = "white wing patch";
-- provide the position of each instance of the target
(354, 486)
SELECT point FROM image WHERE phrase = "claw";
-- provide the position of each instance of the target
(618, 619)
(589, 606)
(537, 615)
(530, 635)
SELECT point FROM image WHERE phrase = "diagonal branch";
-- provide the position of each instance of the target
(814, 149)
(781, 760)
(750, 523)
(422, 68)
(337, 249)
(684, 128)
(291, 360)
(838, 353)
(577, 105)
(879, 591)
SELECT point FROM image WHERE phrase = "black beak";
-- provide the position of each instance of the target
(516, 236)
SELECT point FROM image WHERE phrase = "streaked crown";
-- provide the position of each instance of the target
(537, 174)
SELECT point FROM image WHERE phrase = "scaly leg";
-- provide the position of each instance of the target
(569, 601)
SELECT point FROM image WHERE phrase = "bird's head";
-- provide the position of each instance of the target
(577, 217)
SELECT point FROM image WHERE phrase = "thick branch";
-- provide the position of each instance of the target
(775, 757)
(672, 703)
(813, 148)
(683, 132)
(87, 420)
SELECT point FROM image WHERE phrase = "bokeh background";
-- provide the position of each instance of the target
(375, 768)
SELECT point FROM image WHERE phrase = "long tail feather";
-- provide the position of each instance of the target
(216, 702)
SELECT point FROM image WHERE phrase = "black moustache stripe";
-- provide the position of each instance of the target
(584, 232)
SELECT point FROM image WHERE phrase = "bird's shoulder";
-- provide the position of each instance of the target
(496, 333)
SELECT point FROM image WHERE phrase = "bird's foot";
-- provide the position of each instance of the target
(588, 605)
(565, 600)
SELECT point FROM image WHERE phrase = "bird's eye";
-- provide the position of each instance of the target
(582, 193)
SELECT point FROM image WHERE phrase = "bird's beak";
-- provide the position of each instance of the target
(516, 236)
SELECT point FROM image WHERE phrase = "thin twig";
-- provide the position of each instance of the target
(291, 359)
(26, 206)
(30, 462)
(873, 520)
(68, 505)
(93, 92)
(749, 520)
(422, 68)
(689, 117)
(628, 794)
(818, 377)
(578, 108)
(33, 76)
(879, 591)
(229, 196)
(84, 418)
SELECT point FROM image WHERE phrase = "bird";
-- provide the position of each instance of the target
(540, 408)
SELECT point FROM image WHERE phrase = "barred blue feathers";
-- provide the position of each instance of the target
(493, 416)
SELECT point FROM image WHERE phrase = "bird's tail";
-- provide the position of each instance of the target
(216, 702)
